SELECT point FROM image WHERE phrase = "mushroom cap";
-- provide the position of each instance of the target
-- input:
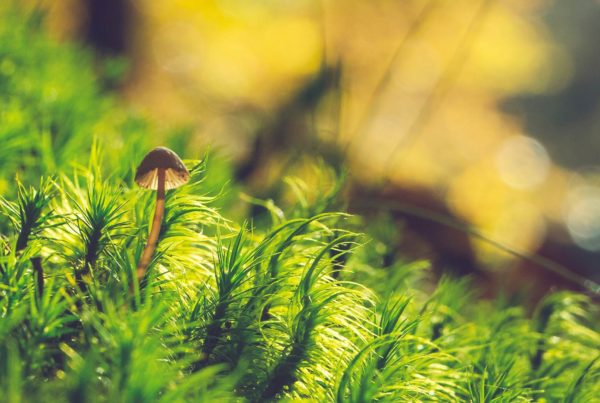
(176, 174)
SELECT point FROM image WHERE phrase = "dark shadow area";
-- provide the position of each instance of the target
(565, 121)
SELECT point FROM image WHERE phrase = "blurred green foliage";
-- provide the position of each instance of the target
(53, 106)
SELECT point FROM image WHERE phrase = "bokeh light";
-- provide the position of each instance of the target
(582, 216)
(522, 162)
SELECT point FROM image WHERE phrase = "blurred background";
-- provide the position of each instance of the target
(471, 125)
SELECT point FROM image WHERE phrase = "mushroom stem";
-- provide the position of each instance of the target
(156, 224)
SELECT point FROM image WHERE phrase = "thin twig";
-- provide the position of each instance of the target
(538, 260)
(437, 94)
(375, 99)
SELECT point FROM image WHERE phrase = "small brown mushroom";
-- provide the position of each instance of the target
(161, 169)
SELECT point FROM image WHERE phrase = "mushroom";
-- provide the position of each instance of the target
(160, 170)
